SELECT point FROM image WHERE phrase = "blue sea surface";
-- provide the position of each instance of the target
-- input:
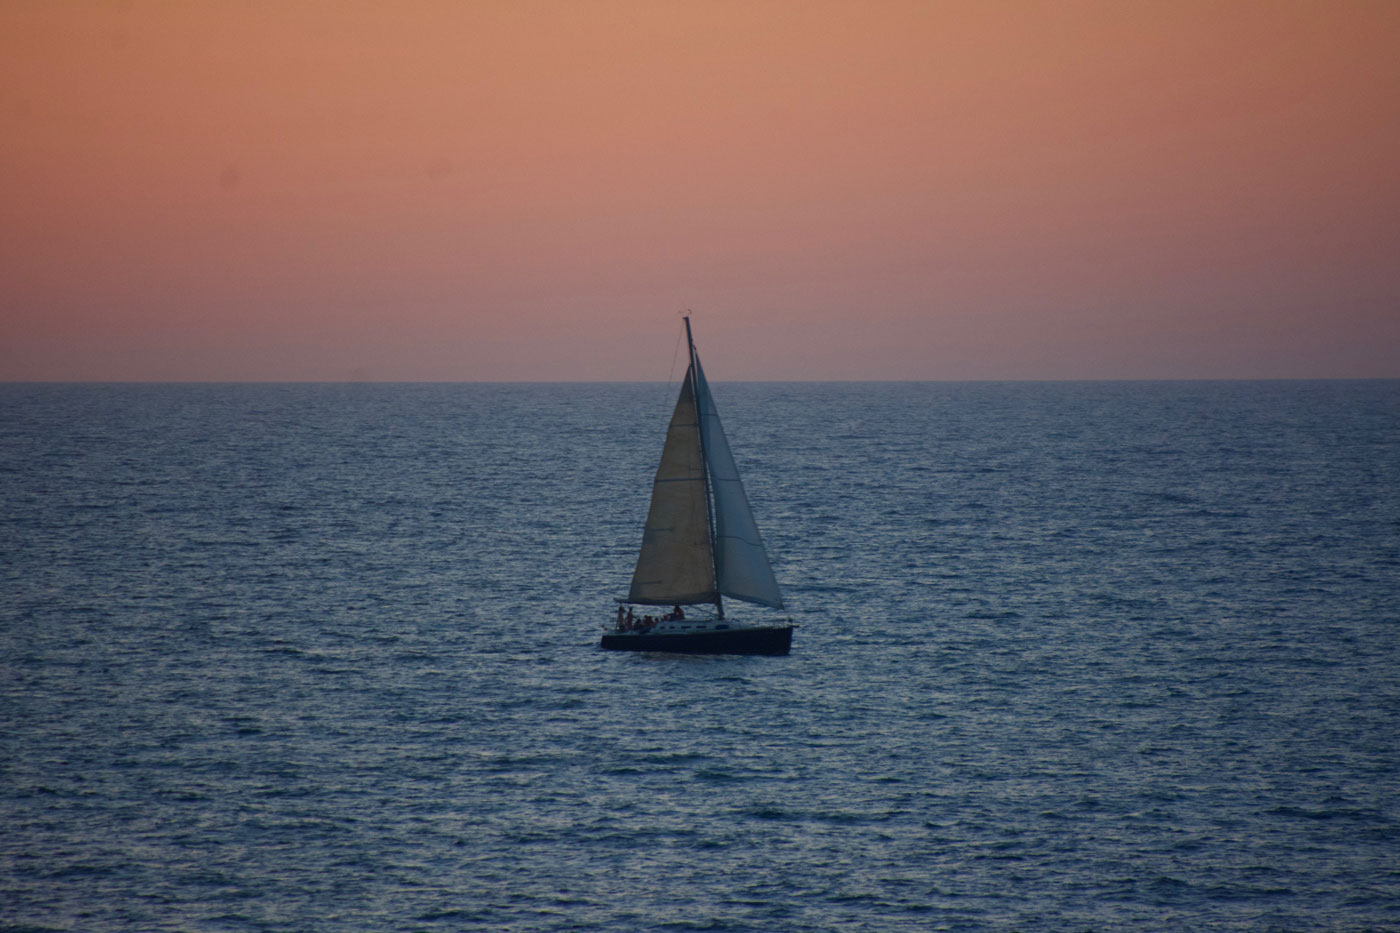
(1070, 656)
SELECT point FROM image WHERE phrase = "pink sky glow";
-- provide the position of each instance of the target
(533, 190)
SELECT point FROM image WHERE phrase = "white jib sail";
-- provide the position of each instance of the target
(741, 562)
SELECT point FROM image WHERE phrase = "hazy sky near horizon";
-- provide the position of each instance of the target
(534, 190)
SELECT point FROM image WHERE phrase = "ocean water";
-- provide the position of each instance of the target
(1069, 657)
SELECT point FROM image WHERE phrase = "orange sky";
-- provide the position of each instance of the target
(861, 190)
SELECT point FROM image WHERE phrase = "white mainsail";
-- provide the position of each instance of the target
(684, 560)
(675, 564)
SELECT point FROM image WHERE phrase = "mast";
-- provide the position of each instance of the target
(704, 468)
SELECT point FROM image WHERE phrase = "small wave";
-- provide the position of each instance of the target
(765, 813)
(1329, 813)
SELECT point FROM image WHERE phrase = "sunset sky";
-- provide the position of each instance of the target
(857, 190)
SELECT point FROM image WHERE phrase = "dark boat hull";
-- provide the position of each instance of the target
(777, 640)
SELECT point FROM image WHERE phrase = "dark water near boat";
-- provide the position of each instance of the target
(1070, 656)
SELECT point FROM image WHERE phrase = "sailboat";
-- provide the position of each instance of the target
(700, 545)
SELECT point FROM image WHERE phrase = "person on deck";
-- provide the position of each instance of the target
(677, 614)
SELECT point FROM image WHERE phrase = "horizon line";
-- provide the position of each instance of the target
(386, 382)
